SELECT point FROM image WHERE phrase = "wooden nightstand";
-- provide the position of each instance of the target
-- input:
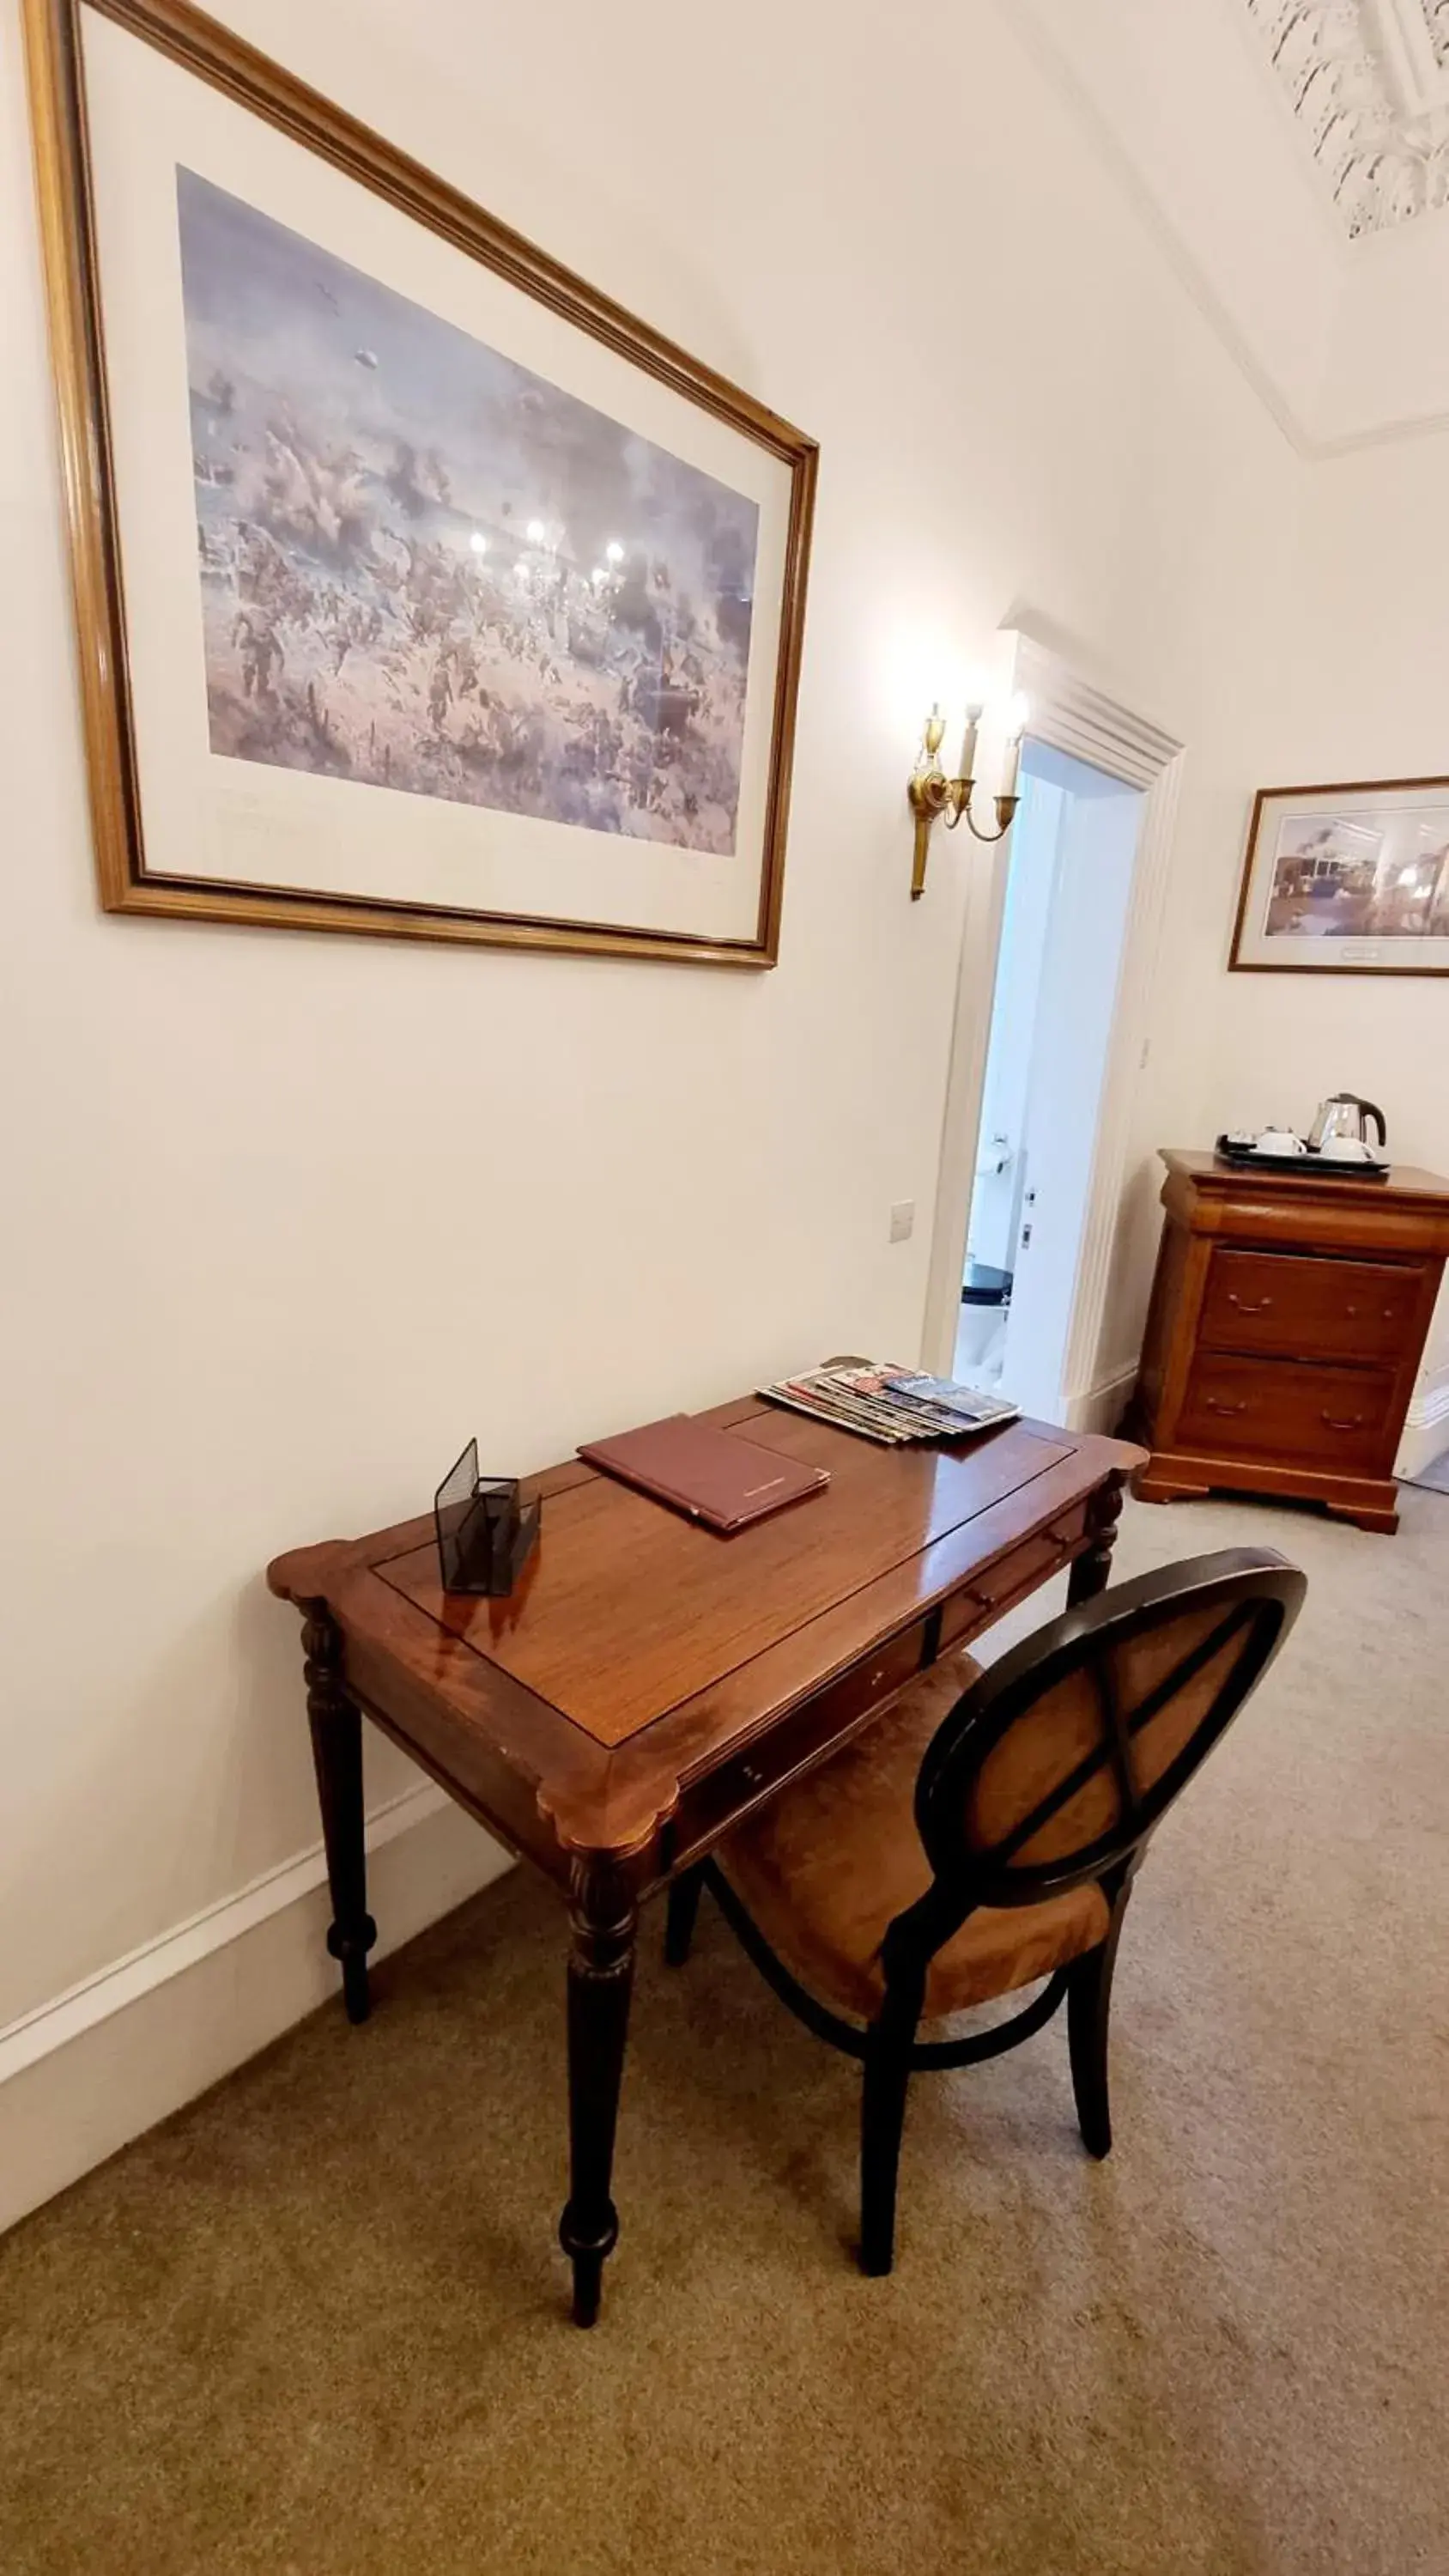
(1287, 1323)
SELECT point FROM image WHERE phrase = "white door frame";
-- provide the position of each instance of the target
(1073, 716)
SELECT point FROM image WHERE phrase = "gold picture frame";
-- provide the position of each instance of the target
(1350, 879)
(783, 458)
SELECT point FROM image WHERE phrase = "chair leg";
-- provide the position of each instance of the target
(679, 1922)
(882, 2119)
(1089, 2007)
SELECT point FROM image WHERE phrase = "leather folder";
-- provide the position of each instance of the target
(711, 1475)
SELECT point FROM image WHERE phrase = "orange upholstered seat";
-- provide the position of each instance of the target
(1037, 1785)
(827, 1866)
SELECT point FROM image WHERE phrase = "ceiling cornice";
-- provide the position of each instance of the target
(1181, 259)
(1303, 438)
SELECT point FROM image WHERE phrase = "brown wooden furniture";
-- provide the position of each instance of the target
(1287, 1323)
(985, 1833)
(651, 1684)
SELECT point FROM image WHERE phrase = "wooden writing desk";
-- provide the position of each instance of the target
(649, 1683)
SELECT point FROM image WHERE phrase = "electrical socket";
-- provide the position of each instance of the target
(903, 1220)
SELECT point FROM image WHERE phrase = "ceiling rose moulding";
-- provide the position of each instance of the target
(1368, 84)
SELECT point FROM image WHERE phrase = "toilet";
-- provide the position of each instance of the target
(985, 1297)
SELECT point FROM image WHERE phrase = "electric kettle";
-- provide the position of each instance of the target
(1346, 1116)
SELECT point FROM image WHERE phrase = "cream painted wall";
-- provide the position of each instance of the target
(260, 1283)
(1182, 98)
(1360, 691)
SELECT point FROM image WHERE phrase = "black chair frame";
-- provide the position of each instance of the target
(1256, 1595)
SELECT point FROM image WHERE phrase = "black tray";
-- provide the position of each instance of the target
(1245, 1158)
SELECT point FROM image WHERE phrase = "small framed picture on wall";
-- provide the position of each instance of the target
(1347, 880)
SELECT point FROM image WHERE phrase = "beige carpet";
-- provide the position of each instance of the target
(315, 2323)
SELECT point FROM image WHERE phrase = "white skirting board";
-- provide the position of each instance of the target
(82, 2075)
(1426, 1429)
(1101, 1408)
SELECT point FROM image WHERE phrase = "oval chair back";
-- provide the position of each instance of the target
(1044, 1781)
(1050, 1771)
(1060, 1761)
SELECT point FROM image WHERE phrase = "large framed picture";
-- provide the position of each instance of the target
(1347, 880)
(420, 589)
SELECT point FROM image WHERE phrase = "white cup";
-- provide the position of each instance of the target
(1278, 1140)
(1346, 1149)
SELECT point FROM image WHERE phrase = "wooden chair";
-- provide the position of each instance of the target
(984, 1832)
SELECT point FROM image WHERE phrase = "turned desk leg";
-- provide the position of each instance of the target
(336, 1727)
(1091, 1571)
(604, 1920)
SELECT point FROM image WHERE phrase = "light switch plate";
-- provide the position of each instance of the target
(903, 1219)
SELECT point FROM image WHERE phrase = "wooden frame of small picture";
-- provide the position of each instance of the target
(1350, 880)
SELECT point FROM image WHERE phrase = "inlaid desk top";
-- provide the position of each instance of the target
(611, 1705)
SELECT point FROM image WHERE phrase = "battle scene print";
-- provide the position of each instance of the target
(424, 567)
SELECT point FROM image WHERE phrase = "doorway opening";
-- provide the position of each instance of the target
(1071, 860)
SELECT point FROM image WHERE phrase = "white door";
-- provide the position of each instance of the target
(1098, 821)
(1015, 1001)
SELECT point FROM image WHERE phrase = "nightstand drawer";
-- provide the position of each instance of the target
(1285, 1409)
(1307, 1308)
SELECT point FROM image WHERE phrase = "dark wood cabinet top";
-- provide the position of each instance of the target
(1337, 1188)
(641, 1646)
(1405, 1216)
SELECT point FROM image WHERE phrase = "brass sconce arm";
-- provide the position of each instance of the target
(932, 794)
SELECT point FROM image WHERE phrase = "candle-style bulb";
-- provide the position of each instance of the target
(1017, 717)
(967, 768)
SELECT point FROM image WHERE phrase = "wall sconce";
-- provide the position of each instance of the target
(931, 792)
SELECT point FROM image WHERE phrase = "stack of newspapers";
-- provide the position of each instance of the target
(892, 1405)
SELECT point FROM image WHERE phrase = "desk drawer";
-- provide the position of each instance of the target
(1288, 1410)
(813, 1731)
(804, 1737)
(1023, 1571)
(1309, 1308)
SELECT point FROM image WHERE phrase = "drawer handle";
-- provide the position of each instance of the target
(1249, 1305)
(751, 1777)
(1354, 1422)
(1215, 1404)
